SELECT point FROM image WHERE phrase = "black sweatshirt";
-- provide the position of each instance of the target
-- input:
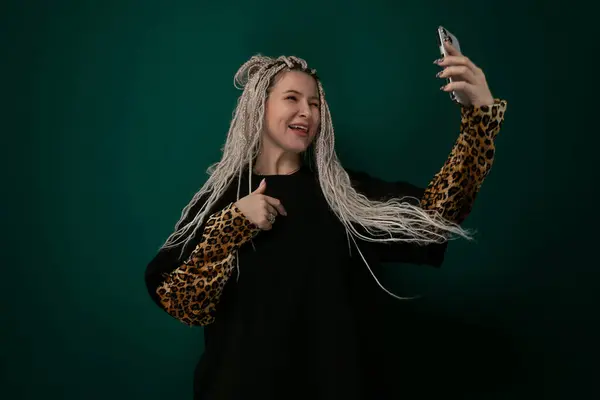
(304, 317)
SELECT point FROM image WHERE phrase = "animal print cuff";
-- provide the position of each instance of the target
(487, 120)
(230, 224)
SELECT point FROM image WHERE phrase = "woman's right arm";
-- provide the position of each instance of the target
(190, 290)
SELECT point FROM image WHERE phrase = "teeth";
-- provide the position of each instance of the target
(298, 127)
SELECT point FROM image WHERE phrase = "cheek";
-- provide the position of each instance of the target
(281, 118)
(273, 124)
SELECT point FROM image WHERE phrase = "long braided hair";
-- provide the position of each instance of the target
(392, 220)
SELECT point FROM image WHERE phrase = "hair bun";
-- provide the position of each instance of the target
(250, 68)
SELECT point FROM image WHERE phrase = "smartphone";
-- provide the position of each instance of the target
(442, 35)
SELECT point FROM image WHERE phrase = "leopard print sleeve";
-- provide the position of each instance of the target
(453, 189)
(191, 292)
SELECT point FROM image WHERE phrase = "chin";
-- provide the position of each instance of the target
(297, 148)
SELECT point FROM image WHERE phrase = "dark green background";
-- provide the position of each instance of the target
(114, 109)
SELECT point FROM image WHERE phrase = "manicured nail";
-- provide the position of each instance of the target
(438, 61)
(439, 74)
(443, 87)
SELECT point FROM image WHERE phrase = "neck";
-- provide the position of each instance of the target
(275, 161)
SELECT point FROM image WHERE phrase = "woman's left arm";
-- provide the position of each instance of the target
(453, 189)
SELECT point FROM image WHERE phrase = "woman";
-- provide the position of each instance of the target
(276, 255)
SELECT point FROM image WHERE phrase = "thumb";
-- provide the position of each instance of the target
(261, 188)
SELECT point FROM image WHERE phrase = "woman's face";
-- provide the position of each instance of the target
(292, 112)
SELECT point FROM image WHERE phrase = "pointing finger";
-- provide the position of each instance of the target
(261, 187)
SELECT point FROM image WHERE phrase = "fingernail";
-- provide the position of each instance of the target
(442, 87)
(438, 61)
(439, 74)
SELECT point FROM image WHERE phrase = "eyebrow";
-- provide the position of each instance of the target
(297, 92)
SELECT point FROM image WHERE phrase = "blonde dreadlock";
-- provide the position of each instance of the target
(393, 220)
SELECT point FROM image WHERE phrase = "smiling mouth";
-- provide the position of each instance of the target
(299, 129)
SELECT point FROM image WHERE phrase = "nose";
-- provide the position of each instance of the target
(305, 110)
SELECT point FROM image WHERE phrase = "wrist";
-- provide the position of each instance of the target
(485, 102)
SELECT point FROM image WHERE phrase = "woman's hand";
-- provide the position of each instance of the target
(261, 210)
(467, 78)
